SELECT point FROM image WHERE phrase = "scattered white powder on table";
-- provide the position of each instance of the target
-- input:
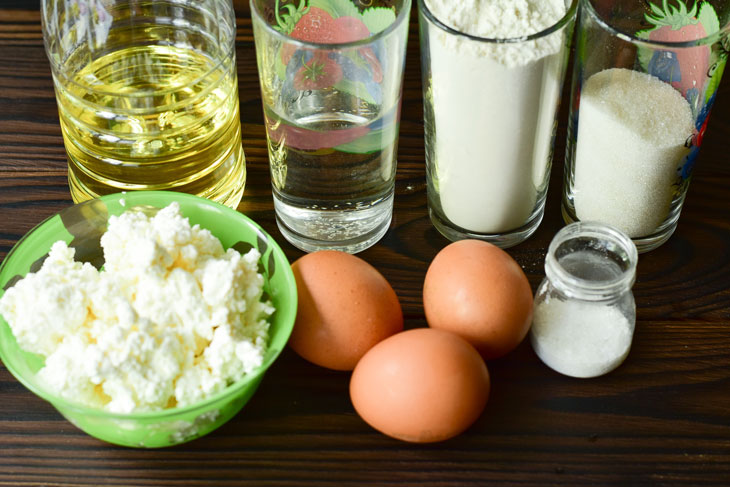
(494, 107)
(580, 339)
(171, 320)
(632, 129)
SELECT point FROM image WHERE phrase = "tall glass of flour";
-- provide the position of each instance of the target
(644, 81)
(492, 78)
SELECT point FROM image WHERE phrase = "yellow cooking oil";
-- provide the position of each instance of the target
(153, 117)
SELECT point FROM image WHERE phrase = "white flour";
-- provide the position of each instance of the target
(501, 19)
(494, 108)
(580, 339)
(632, 128)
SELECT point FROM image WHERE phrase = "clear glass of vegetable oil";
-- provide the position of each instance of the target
(147, 96)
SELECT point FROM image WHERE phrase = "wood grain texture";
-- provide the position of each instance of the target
(661, 419)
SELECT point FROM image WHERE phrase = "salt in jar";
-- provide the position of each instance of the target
(585, 314)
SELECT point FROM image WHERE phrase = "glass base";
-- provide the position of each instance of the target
(349, 231)
(643, 244)
(502, 240)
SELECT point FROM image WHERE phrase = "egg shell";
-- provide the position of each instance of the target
(478, 291)
(345, 307)
(422, 385)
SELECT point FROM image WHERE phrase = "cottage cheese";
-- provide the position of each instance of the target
(172, 319)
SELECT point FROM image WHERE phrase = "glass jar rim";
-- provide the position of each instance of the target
(595, 289)
(403, 14)
(562, 22)
(652, 44)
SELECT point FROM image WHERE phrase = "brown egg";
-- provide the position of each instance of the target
(421, 385)
(476, 290)
(345, 307)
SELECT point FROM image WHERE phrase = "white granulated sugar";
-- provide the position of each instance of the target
(494, 109)
(580, 339)
(172, 319)
(632, 129)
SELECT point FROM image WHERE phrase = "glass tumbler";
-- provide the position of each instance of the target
(490, 110)
(147, 96)
(331, 73)
(584, 313)
(645, 78)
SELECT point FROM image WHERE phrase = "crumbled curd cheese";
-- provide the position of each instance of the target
(172, 319)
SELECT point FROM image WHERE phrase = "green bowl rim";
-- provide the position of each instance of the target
(231, 390)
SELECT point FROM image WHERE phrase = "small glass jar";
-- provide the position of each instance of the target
(584, 313)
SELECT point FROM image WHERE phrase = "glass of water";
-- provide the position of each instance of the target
(147, 96)
(331, 73)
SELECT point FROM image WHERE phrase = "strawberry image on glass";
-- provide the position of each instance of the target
(310, 24)
(318, 73)
(316, 25)
(684, 68)
(687, 69)
(356, 71)
(349, 29)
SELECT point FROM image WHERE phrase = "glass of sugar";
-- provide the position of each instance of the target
(584, 313)
(644, 81)
(492, 78)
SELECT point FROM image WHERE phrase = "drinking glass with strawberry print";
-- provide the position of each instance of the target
(331, 74)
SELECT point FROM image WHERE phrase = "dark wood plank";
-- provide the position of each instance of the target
(660, 419)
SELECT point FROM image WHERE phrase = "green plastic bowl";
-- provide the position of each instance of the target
(81, 226)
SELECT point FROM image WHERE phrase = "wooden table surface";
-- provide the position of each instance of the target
(662, 418)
